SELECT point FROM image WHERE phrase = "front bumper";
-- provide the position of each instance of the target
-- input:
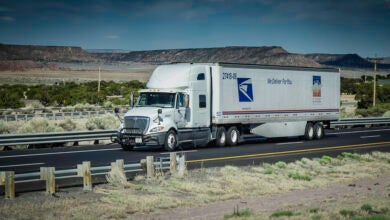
(136, 139)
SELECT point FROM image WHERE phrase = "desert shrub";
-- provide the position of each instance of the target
(298, 176)
(117, 178)
(269, 170)
(105, 122)
(108, 104)
(281, 164)
(27, 110)
(282, 213)
(367, 208)
(239, 213)
(68, 109)
(37, 125)
(347, 213)
(67, 124)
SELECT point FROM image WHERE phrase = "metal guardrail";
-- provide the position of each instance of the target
(54, 137)
(62, 137)
(361, 121)
(174, 163)
(56, 115)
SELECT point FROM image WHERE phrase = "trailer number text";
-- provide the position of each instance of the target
(229, 75)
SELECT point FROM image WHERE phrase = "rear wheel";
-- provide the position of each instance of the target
(127, 147)
(221, 137)
(232, 136)
(309, 131)
(170, 141)
(318, 130)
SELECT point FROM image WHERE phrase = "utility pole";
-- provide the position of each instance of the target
(374, 96)
(375, 60)
(99, 82)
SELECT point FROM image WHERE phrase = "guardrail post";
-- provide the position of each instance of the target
(182, 165)
(121, 165)
(87, 178)
(172, 163)
(150, 166)
(47, 173)
(7, 179)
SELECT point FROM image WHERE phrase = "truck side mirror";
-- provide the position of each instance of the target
(131, 100)
(159, 111)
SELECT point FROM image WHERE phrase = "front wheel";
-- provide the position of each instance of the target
(170, 143)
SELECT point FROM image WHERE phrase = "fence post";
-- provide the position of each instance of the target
(149, 166)
(87, 178)
(173, 163)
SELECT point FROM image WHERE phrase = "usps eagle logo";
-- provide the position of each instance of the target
(245, 89)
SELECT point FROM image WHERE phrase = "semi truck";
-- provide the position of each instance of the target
(220, 103)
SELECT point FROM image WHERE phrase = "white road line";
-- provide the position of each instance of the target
(178, 152)
(54, 153)
(22, 165)
(352, 132)
(372, 136)
(286, 143)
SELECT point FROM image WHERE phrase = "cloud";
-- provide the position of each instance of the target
(7, 19)
(111, 36)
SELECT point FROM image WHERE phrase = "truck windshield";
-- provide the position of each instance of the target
(162, 100)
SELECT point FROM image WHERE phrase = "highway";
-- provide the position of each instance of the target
(247, 153)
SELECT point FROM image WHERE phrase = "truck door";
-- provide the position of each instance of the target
(200, 98)
(181, 110)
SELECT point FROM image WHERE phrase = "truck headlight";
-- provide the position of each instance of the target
(157, 129)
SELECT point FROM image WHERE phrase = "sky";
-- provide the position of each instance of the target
(299, 26)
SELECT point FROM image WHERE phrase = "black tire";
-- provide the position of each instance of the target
(127, 147)
(309, 131)
(318, 130)
(232, 136)
(170, 143)
(221, 137)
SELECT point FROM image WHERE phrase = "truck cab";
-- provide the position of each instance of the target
(173, 110)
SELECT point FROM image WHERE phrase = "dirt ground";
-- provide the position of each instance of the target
(329, 201)
(333, 197)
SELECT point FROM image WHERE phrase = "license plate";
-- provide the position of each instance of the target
(138, 140)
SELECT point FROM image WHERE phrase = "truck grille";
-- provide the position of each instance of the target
(136, 125)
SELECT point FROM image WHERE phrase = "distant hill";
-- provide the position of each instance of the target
(44, 53)
(272, 55)
(249, 55)
(345, 61)
(107, 51)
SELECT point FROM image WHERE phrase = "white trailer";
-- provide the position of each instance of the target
(219, 102)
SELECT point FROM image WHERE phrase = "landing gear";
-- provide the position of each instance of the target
(232, 136)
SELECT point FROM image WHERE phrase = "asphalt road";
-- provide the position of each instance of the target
(249, 152)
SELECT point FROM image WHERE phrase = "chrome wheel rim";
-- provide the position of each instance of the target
(171, 141)
(234, 136)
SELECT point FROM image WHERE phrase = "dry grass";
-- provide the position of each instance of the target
(203, 186)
